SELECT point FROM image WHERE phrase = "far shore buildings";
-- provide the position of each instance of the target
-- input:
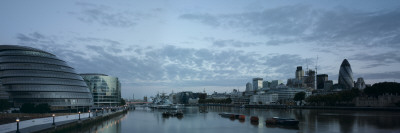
(29, 75)
(106, 89)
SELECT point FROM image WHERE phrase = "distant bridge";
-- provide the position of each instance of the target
(138, 102)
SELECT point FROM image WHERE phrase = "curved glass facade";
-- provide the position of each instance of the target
(346, 75)
(35, 76)
(106, 89)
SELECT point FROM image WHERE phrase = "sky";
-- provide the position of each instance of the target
(208, 45)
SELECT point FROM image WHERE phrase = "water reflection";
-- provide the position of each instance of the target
(206, 119)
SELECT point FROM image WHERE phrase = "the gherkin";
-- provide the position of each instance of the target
(30, 75)
(346, 75)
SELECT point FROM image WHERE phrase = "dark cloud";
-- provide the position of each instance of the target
(166, 66)
(234, 43)
(92, 13)
(378, 59)
(380, 76)
(300, 23)
(203, 18)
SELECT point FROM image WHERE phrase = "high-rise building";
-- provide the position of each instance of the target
(299, 73)
(345, 75)
(249, 87)
(265, 85)
(30, 75)
(309, 80)
(257, 84)
(275, 83)
(360, 84)
(328, 85)
(106, 89)
(321, 78)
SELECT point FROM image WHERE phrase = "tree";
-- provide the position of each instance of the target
(122, 102)
(4, 104)
(27, 108)
(299, 96)
(383, 88)
(42, 108)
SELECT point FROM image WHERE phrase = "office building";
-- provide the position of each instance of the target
(263, 99)
(249, 87)
(321, 78)
(265, 85)
(106, 89)
(257, 84)
(299, 73)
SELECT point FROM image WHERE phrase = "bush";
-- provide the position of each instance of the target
(31, 108)
(27, 108)
(383, 88)
(4, 104)
(42, 108)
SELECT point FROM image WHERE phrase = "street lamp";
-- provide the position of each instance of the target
(17, 125)
(96, 112)
(102, 109)
(89, 113)
(53, 119)
(79, 115)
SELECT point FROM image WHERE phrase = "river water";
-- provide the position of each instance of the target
(144, 120)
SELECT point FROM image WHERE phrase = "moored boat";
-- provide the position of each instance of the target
(226, 115)
(282, 121)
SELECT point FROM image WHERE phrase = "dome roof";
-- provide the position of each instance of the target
(36, 76)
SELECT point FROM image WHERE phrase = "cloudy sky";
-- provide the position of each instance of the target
(209, 45)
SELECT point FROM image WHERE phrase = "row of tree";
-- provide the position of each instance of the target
(219, 101)
(340, 98)
(383, 88)
(4, 104)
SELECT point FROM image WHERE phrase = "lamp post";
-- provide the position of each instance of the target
(102, 111)
(89, 113)
(79, 115)
(53, 119)
(17, 125)
(96, 112)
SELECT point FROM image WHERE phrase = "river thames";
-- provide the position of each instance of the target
(208, 120)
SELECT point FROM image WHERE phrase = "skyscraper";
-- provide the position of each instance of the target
(257, 84)
(249, 87)
(265, 85)
(345, 75)
(321, 78)
(299, 73)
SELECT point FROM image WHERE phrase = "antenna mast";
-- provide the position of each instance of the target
(316, 73)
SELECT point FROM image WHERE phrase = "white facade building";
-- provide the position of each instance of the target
(263, 99)
(289, 93)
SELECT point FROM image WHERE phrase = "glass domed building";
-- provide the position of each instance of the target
(29, 75)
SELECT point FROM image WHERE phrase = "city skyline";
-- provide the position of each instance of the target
(191, 45)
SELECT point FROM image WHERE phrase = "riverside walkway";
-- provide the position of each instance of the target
(39, 124)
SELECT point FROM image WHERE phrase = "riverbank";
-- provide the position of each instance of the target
(72, 126)
(60, 123)
(307, 107)
(11, 117)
